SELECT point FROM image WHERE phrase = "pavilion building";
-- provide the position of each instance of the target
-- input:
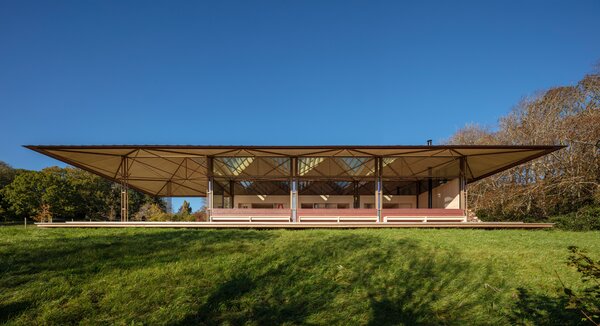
(298, 184)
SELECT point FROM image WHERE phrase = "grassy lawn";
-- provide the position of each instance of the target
(377, 277)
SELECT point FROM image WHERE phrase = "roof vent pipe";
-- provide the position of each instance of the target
(429, 142)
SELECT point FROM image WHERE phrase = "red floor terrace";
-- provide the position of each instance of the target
(338, 215)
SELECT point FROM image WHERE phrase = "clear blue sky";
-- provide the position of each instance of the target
(276, 72)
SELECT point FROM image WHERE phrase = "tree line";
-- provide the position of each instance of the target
(73, 194)
(564, 186)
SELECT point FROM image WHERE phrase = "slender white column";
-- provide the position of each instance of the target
(209, 192)
(378, 187)
(294, 200)
(463, 184)
(378, 201)
(124, 190)
(294, 188)
(209, 199)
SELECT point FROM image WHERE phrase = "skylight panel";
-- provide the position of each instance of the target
(237, 165)
(357, 165)
(307, 164)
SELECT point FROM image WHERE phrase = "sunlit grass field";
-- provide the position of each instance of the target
(376, 277)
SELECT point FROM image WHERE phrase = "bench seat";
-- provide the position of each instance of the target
(262, 218)
(424, 218)
(338, 219)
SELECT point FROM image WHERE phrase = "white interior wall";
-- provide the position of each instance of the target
(403, 201)
(249, 199)
(447, 195)
(348, 200)
(444, 196)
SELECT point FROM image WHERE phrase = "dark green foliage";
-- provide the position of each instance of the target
(70, 193)
(573, 307)
(183, 217)
(7, 175)
(532, 308)
(585, 219)
(586, 301)
(30, 190)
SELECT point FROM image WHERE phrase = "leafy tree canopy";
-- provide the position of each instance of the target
(7, 174)
(68, 193)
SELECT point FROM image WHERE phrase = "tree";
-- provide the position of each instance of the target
(96, 196)
(30, 190)
(7, 175)
(185, 208)
(44, 214)
(558, 183)
(69, 193)
(587, 301)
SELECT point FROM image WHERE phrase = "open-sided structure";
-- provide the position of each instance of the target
(304, 183)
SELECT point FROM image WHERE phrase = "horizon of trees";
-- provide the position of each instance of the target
(71, 193)
(564, 182)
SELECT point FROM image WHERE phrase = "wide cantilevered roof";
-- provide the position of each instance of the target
(182, 170)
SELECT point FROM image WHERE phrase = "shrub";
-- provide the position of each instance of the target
(587, 302)
(44, 214)
(149, 212)
(183, 217)
(200, 216)
(161, 217)
(586, 218)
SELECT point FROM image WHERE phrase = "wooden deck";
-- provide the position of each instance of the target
(303, 225)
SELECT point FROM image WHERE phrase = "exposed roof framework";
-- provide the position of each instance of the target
(176, 170)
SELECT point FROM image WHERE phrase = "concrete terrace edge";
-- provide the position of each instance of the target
(288, 225)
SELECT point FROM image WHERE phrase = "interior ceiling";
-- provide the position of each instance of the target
(175, 171)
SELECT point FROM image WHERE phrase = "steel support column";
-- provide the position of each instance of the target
(378, 186)
(356, 194)
(209, 192)
(294, 189)
(429, 189)
(418, 192)
(124, 189)
(169, 204)
(463, 183)
(231, 194)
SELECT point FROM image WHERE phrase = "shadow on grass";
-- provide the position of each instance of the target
(104, 251)
(9, 310)
(532, 308)
(433, 291)
(332, 281)
(121, 249)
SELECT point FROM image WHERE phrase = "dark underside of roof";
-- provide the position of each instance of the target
(183, 170)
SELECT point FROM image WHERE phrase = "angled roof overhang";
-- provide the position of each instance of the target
(182, 170)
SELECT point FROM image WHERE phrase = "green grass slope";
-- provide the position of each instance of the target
(374, 277)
